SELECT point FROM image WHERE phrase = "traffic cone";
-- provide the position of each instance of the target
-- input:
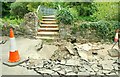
(14, 57)
(13, 54)
(116, 36)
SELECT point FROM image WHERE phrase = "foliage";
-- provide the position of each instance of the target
(84, 8)
(5, 9)
(103, 29)
(64, 16)
(106, 11)
(86, 18)
(74, 12)
(19, 9)
(12, 20)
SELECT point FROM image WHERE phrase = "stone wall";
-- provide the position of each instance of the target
(30, 24)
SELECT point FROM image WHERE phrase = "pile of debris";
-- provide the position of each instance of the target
(76, 59)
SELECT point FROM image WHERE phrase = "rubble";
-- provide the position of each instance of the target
(77, 64)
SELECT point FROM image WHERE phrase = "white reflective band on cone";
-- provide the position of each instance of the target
(116, 36)
(13, 47)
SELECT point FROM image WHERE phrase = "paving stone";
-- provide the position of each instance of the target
(111, 74)
(115, 66)
(63, 62)
(92, 73)
(83, 73)
(69, 47)
(54, 74)
(114, 52)
(62, 72)
(107, 57)
(46, 71)
(82, 54)
(56, 69)
(100, 72)
(88, 68)
(82, 69)
(75, 70)
(85, 47)
(75, 57)
(71, 73)
(106, 71)
(107, 67)
(72, 62)
(68, 69)
(95, 67)
(107, 64)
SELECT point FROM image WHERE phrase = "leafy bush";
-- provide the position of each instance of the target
(85, 8)
(74, 12)
(102, 29)
(64, 16)
(19, 9)
(12, 20)
(86, 18)
(107, 11)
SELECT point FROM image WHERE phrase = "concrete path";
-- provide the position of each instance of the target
(23, 45)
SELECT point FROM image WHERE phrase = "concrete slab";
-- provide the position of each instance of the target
(47, 51)
(83, 55)
(69, 47)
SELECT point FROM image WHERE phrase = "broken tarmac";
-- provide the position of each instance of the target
(41, 62)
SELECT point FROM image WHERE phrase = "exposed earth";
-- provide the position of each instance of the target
(61, 58)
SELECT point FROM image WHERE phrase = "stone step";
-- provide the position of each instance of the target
(46, 37)
(49, 25)
(48, 22)
(48, 19)
(48, 29)
(48, 33)
(50, 16)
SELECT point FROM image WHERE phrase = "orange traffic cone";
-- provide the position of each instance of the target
(116, 37)
(14, 57)
(13, 54)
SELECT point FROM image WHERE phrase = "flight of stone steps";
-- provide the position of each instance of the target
(48, 28)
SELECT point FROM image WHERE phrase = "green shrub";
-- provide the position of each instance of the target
(19, 9)
(64, 16)
(87, 18)
(102, 29)
(12, 20)
(107, 11)
(74, 12)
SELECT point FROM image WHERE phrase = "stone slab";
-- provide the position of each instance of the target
(69, 47)
(47, 51)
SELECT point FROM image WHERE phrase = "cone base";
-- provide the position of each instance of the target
(14, 56)
(15, 63)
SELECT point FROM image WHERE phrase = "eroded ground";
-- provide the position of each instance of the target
(61, 58)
